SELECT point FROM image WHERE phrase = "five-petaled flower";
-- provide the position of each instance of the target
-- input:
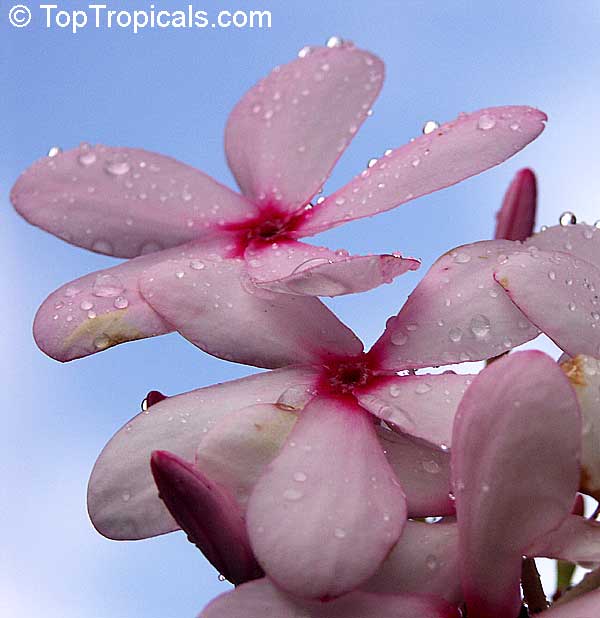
(281, 141)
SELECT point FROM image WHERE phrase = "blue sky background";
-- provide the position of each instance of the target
(171, 91)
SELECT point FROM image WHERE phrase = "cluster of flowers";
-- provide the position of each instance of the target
(308, 486)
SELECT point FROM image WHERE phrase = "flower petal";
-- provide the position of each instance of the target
(122, 498)
(214, 305)
(516, 218)
(515, 470)
(423, 472)
(457, 313)
(587, 605)
(580, 240)
(236, 452)
(238, 449)
(124, 201)
(577, 539)
(261, 598)
(558, 293)
(457, 150)
(422, 406)
(584, 374)
(329, 508)
(423, 561)
(292, 267)
(105, 308)
(285, 135)
(208, 514)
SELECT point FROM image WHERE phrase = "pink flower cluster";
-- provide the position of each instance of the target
(310, 486)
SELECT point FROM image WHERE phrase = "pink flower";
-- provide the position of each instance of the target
(322, 502)
(516, 218)
(281, 140)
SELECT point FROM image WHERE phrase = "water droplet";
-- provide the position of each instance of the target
(300, 477)
(395, 390)
(102, 342)
(121, 302)
(430, 126)
(197, 265)
(371, 162)
(567, 218)
(87, 158)
(552, 275)
(117, 168)
(295, 397)
(54, 151)
(107, 286)
(334, 41)
(339, 533)
(431, 562)
(179, 274)
(292, 494)
(221, 577)
(514, 126)
(86, 305)
(102, 246)
(462, 258)
(455, 334)
(572, 307)
(431, 466)
(126, 496)
(422, 388)
(480, 326)
(399, 337)
(486, 122)
(415, 162)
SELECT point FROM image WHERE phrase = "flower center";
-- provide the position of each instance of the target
(345, 375)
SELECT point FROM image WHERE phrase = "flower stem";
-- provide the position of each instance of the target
(532, 587)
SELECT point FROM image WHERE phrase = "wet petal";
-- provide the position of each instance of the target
(423, 561)
(261, 598)
(215, 306)
(329, 508)
(296, 268)
(122, 497)
(423, 472)
(585, 606)
(457, 150)
(558, 293)
(124, 201)
(105, 308)
(584, 374)
(577, 539)
(422, 406)
(238, 449)
(582, 241)
(515, 470)
(285, 135)
(208, 514)
(457, 313)
(516, 218)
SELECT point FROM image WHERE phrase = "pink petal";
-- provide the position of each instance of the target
(208, 514)
(559, 294)
(423, 561)
(577, 539)
(423, 472)
(329, 508)
(124, 201)
(585, 606)
(516, 218)
(584, 374)
(216, 307)
(457, 150)
(292, 267)
(515, 470)
(260, 599)
(122, 498)
(581, 241)
(285, 135)
(457, 313)
(105, 308)
(422, 406)
(237, 451)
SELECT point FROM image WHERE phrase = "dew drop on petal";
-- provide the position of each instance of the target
(107, 286)
(300, 477)
(455, 334)
(430, 126)
(422, 388)
(54, 151)
(486, 122)
(121, 302)
(334, 41)
(480, 326)
(292, 494)
(339, 533)
(117, 168)
(567, 218)
(87, 158)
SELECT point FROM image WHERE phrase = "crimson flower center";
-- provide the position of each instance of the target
(346, 375)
